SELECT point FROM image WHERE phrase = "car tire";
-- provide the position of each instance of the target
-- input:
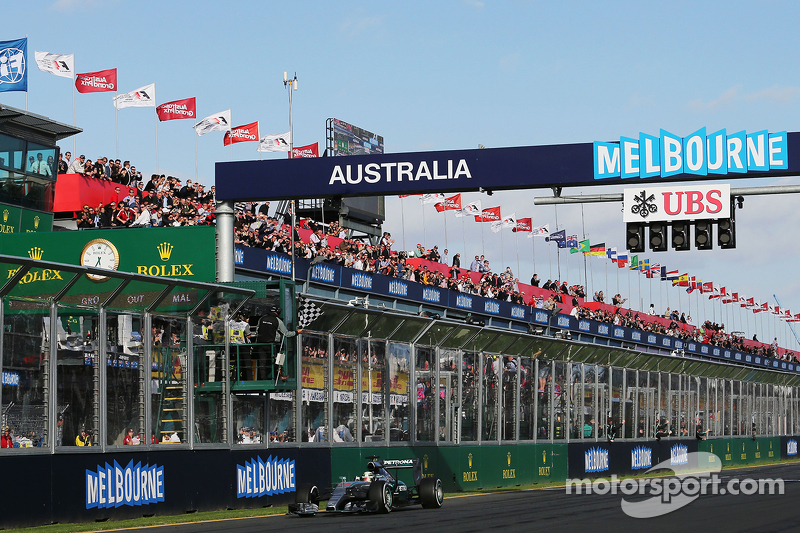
(431, 493)
(306, 493)
(380, 496)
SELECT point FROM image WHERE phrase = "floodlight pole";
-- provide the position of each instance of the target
(291, 86)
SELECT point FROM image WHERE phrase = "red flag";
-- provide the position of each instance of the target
(707, 287)
(762, 307)
(97, 82)
(186, 108)
(310, 150)
(454, 202)
(523, 224)
(721, 293)
(240, 134)
(489, 215)
(406, 195)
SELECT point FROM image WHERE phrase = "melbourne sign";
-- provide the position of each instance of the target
(258, 477)
(132, 485)
(696, 202)
(699, 155)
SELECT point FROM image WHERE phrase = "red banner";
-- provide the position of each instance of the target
(454, 202)
(311, 150)
(240, 134)
(97, 82)
(489, 215)
(177, 109)
(523, 224)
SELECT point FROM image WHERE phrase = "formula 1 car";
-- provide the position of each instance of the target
(377, 491)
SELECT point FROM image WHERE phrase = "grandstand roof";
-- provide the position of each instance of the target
(27, 120)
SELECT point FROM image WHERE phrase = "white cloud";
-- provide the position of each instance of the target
(726, 97)
(776, 93)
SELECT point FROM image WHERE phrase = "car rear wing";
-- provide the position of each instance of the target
(414, 464)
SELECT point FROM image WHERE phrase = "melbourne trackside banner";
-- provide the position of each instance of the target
(177, 109)
(217, 122)
(658, 204)
(258, 477)
(275, 143)
(114, 485)
(60, 65)
(14, 65)
(746, 155)
(97, 82)
(141, 97)
(310, 150)
(248, 132)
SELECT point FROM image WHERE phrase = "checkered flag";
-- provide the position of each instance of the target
(307, 312)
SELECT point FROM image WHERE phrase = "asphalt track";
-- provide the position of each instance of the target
(552, 510)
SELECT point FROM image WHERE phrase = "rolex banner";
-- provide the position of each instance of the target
(141, 97)
(60, 65)
(97, 82)
(177, 109)
(217, 122)
(239, 134)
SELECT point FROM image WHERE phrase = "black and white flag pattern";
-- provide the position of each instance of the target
(307, 312)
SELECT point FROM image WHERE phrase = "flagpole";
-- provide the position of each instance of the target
(196, 170)
(402, 220)
(558, 249)
(502, 251)
(464, 237)
(155, 118)
(74, 137)
(533, 251)
(519, 271)
(116, 119)
(424, 229)
(445, 228)
(483, 242)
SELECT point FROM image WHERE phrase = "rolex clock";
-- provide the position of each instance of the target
(100, 253)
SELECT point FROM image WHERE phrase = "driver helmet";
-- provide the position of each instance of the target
(368, 476)
(275, 310)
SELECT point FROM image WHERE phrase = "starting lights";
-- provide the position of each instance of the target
(634, 240)
(702, 235)
(680, 235)
(658, 237)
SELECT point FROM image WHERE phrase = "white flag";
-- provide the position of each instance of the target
(141, 97)
(60, 65)
(507, 222)
(541, 231)
(434, 198)
(217, 122)
(471, 209)
(275, 143)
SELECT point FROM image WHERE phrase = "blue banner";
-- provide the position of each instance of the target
(14, 65)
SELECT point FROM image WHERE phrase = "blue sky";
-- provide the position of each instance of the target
(452, 75)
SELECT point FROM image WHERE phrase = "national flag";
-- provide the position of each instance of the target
(582, 246)
(622, 260)
(634, 263)
(672, 275)
(489, 215)
(60, 65)
(682, 280)
(611, 253)
(217, 122)
(572, 241)
(278, 142)
(13, 65)
(644, 265)
(653, 271)
(720, 294)
(305, 152)
(558, 237)
(141, 97)
(694, 284)
(596, 249)
(432, 198)
(307, 312)
(523, 224)
(540, 231)
(97, 82)
(240, 134)
(449, 204)
(471, 209)
(177, 109)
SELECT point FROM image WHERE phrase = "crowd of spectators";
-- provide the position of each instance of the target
(162, 201)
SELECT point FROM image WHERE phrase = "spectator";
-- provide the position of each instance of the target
(77, 166)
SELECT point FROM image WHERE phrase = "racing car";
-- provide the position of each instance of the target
(377, 491)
